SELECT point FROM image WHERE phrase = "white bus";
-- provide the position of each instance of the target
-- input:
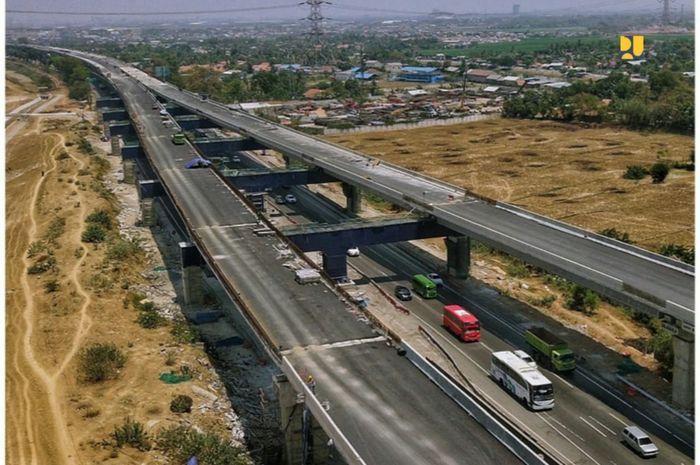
(526, 383)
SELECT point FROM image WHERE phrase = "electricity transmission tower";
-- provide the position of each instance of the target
(666, 13)
(316, 17)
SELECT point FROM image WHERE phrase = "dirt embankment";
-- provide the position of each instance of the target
(64, 295)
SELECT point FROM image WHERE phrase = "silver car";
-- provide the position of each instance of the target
(639, 441)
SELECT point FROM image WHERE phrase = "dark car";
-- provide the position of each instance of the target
(403, 293)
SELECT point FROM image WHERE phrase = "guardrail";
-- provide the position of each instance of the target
(483, 417)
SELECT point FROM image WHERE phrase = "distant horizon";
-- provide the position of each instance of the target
(160, 11)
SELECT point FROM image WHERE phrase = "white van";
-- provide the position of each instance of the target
(525, 357)
(639, 441)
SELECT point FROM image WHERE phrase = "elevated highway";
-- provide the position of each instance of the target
(387, 411)
(631, 276)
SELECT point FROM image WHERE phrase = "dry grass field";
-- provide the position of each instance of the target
(564, 171)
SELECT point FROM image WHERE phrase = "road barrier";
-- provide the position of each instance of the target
(419, 124)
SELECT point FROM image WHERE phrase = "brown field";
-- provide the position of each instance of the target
(52, 417)
(564, 171)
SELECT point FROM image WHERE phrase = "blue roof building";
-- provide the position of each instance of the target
(362, 76)
(423, 74)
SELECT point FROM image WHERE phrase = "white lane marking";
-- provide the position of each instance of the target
(601, 424)
(487, 347)
(636, 410)
(593, 427)
(562, 379)
(332, 345)
(570, 441)
(616, 418)
(574, 433)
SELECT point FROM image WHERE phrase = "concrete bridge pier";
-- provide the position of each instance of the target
(684, 370)
(148, 190)
(335, 263)
(353, 198)
(305, 442)
(458, 256)
(129, 170)
(287, 161)
(192, 273)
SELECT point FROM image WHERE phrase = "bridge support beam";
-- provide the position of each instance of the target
(335, 263)
(684, 370)
(353, 199)
(305, 442)
(458, 256)
(192, 274)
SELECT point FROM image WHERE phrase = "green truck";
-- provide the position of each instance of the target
(550, 351)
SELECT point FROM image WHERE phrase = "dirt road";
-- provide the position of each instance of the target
(36, 430)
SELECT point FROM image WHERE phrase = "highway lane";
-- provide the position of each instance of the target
(648, 282)
(304, 322)
(582, 429)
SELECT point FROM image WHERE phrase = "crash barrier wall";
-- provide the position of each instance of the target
(420, 124)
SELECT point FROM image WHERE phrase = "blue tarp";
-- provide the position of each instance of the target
(197, 163)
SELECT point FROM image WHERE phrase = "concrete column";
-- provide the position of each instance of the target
(291, 411)
(192, 274)
(353, 198)
(684, 370)
(287, 161)
(116, 146)
(458, 256)
(305, 442)
(129, 169)
(335, 264)
(148, 217)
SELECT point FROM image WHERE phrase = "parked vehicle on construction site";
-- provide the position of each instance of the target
(525, 383)
(549, 350)
(464, 324)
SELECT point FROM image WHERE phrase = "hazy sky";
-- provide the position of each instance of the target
(339, 9)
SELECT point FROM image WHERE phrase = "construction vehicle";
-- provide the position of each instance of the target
(549, 350)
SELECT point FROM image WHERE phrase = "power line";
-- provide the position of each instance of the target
(149, 13)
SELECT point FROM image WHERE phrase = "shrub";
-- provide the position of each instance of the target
(179, 443)
(679, 252)
(635, 172)
(101, 217)
(615, 234)
(123, 249)
(518, 269)
(582, 299)
(56, 228)
(181, 404)
(94, 233)
(85, 146)
(150, 319)
(51, 286)
(35, 248)
(43, 264)
(131, 433)
(183, 332)
(658, 172)
(545, 301)
(100, 362)
(62, 156)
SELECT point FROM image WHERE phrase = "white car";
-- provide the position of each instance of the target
(524, 356)
(353, 252)
(290, 198)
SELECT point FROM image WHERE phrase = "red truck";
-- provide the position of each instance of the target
(461, 322)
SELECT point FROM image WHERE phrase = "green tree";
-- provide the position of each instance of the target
(658, 172)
